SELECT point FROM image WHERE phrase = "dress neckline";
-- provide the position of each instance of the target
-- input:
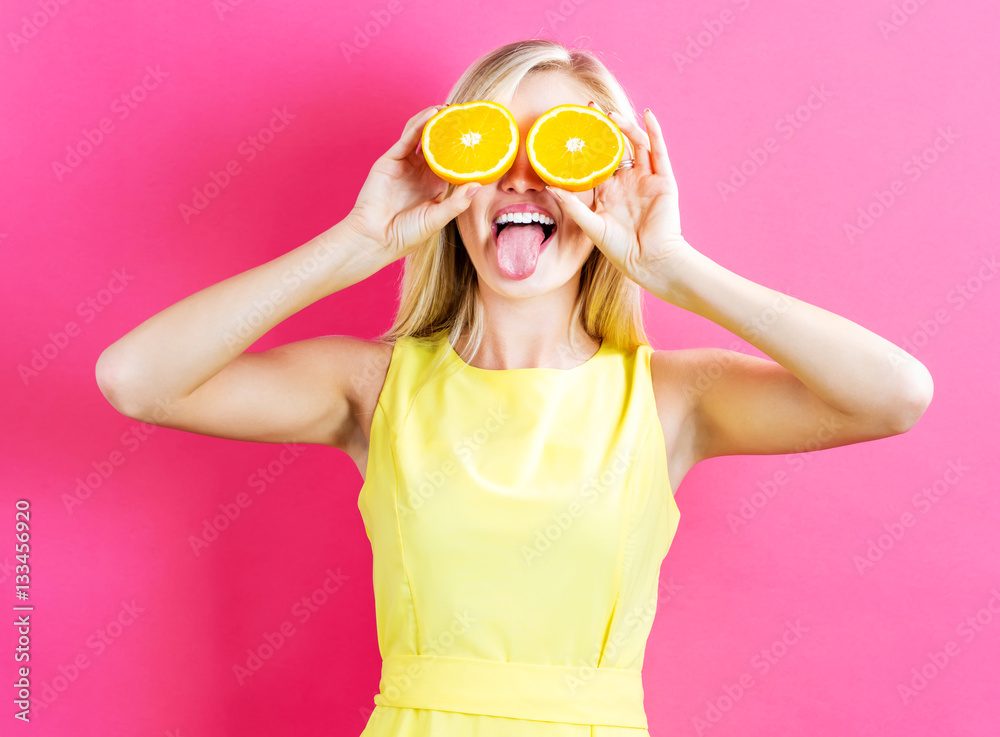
(456, 359)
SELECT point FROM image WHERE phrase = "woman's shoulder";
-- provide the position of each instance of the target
(373, 358)
(359, 364)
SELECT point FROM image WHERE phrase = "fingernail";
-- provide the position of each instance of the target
(645, 111)
(471, 191)
(558, 196)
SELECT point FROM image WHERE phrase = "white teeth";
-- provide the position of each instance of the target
(525, 217)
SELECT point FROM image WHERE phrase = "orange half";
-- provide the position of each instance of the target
(575, 147)
(470, 142)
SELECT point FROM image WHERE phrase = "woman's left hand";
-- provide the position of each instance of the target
(635, 220)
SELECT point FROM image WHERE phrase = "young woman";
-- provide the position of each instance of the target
(519, 439)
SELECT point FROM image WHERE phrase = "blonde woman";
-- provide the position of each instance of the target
(519, 439)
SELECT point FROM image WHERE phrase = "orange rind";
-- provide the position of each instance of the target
(575, 147)
(470, 142)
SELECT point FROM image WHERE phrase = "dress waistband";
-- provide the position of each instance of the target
(549, 693)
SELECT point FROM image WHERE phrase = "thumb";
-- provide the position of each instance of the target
(590, 223)
(439, 213)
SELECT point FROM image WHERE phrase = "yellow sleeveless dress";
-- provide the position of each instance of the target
(518, 520)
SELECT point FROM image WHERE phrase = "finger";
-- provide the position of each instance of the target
(412, 131)
(658, 147)
(439, 213)
(636, 136)
(590, 223)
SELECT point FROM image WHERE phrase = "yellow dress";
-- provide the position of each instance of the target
(518, 520)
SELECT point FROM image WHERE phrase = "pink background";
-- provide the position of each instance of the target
(727, 593)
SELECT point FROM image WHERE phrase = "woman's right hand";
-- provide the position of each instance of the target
(402, 202)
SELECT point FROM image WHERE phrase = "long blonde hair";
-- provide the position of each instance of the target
(439, 288)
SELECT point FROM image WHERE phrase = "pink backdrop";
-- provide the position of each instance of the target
(845, 154)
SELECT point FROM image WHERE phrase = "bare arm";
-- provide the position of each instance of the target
(187, 367)
(831, 382)
(827, 381)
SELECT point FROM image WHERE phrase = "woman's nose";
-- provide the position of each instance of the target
(521, 177)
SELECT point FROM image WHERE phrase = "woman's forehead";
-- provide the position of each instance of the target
(537, 94)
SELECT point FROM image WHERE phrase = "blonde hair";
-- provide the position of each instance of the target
(439, 288)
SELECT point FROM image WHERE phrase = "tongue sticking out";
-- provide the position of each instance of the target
(518, 247)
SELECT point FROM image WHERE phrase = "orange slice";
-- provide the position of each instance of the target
(470, 142)
(575, 147)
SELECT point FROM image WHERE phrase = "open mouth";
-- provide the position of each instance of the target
(547, 228)
(519, 239)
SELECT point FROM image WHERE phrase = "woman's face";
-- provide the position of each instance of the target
(516, 263)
